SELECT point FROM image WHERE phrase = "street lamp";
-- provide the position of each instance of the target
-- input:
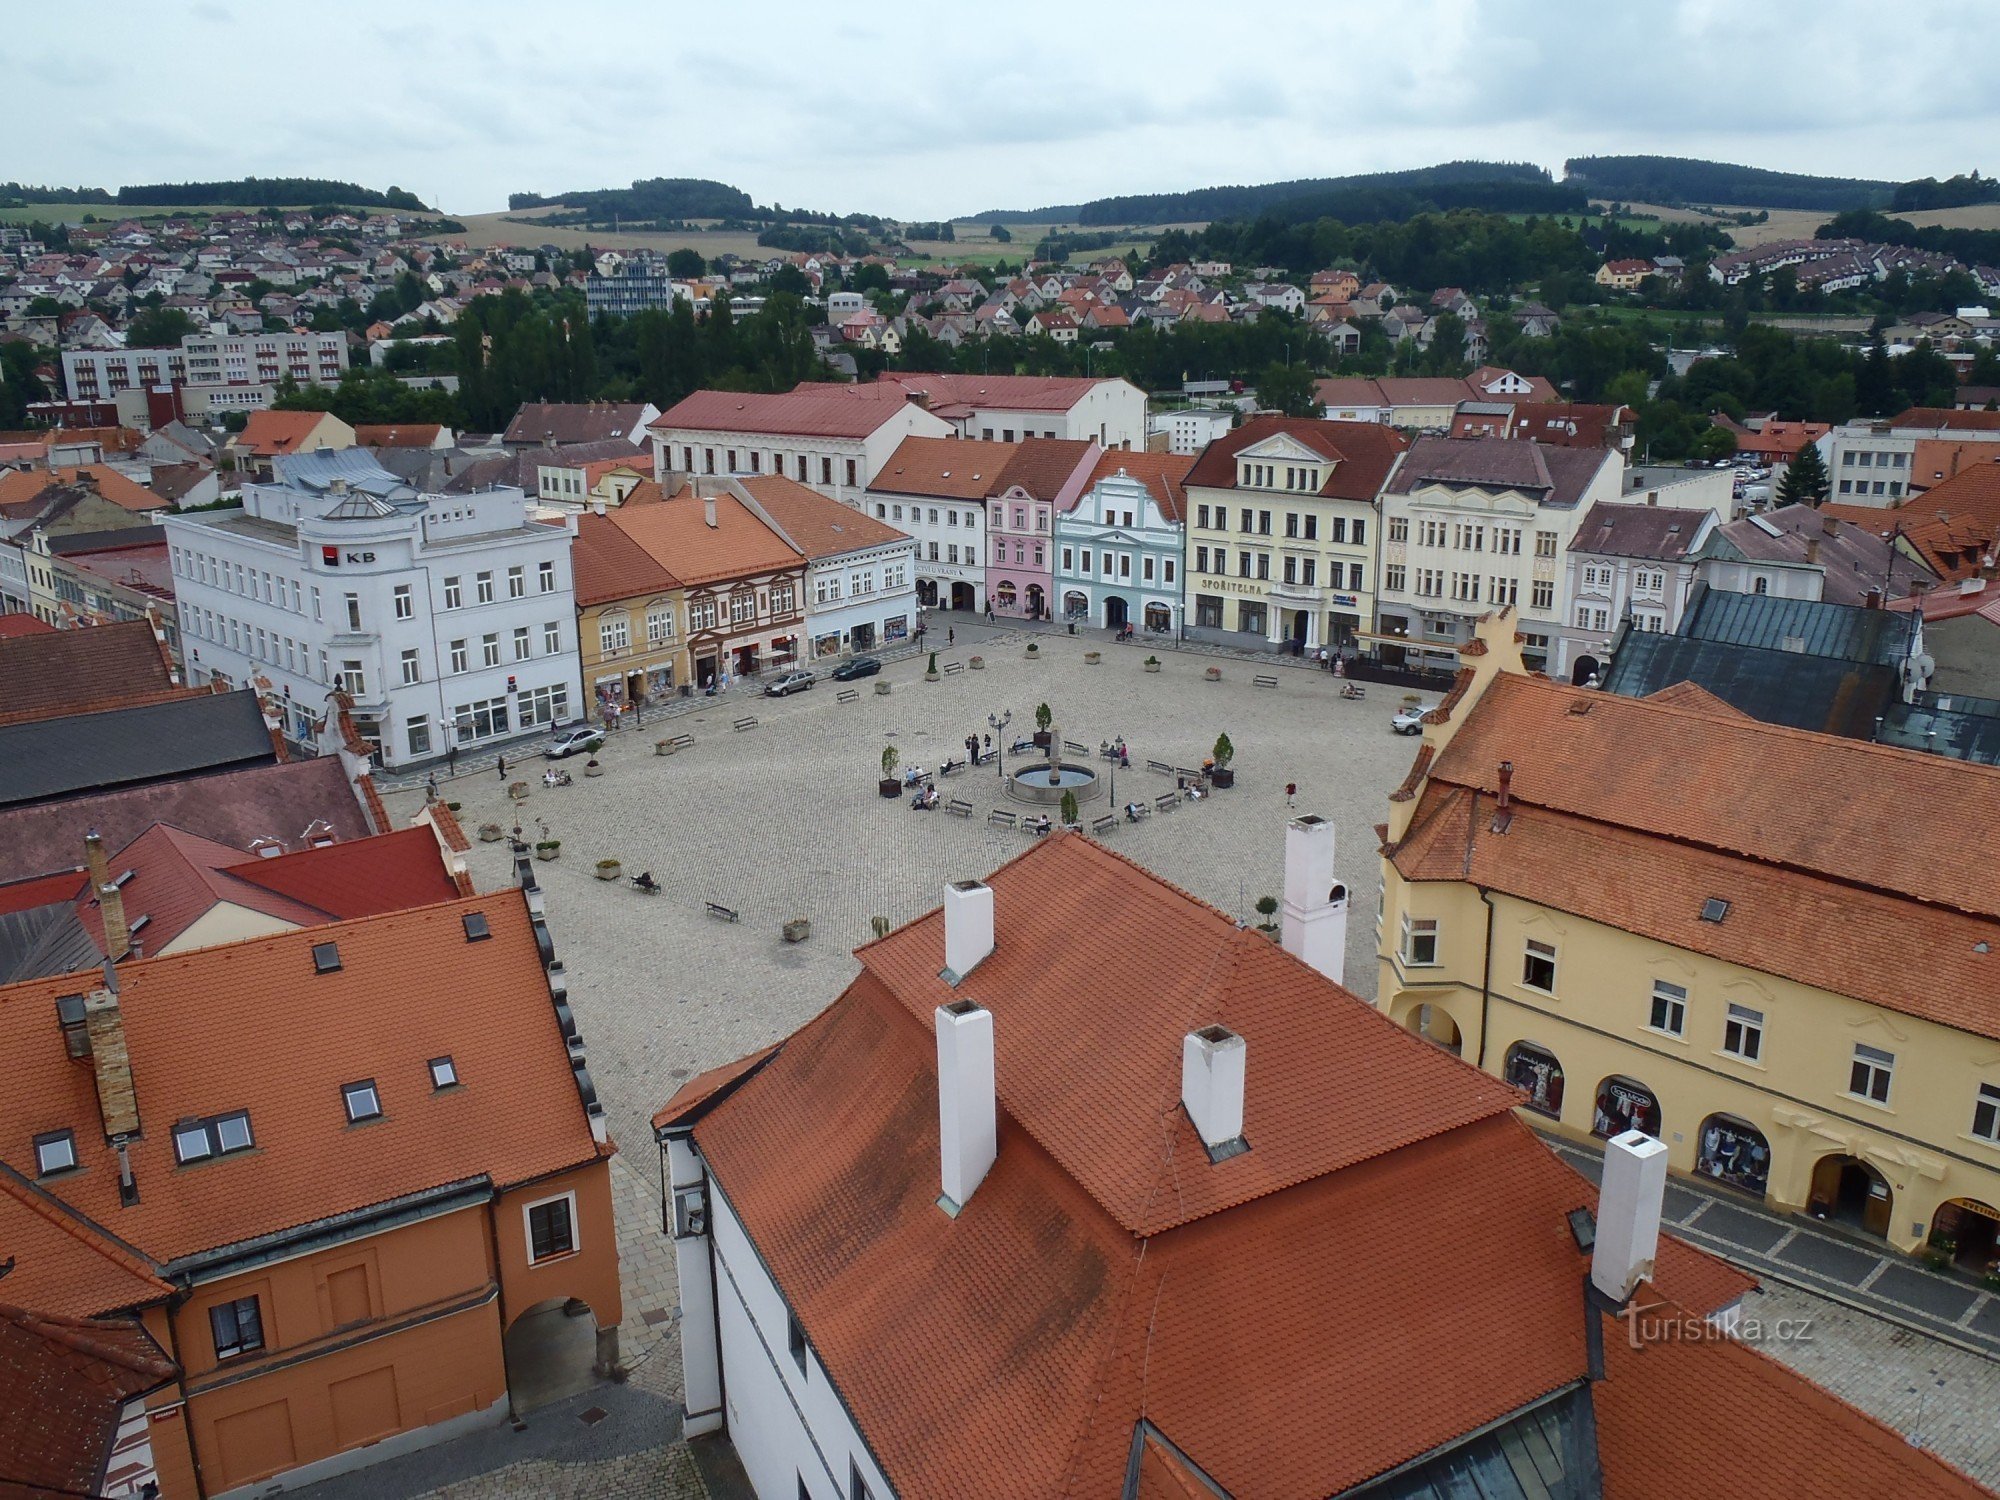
(999, 723)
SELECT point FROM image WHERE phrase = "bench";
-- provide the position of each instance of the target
(958, 808)
(681, 741)
(1160, 766)
(1104, 824)
(848, 695)
(1166, 802)
(1269, 682)
(1071, 747)
(1190, 774)
(748, 721)
(953, 668)
(726, 913)
(1001, 818)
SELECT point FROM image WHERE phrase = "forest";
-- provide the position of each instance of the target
(1927, 193)
(1675, 181)
(238, 192)
(1975, 247)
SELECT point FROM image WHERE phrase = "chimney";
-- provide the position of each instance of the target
(117, 1104)
(1812, 549)
(1506, 786)
(968, 926)
(708, 510)
(1212, 1089)
(968, 1120)
(1873, 599)
(110, 899)
(1628, 1214)
(1315, 908)
(1829, 525)
(597, 506)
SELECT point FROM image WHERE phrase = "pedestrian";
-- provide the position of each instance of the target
(951, 635)
(451, 760)
(1291, 791)
(500, 766)
(431, 788)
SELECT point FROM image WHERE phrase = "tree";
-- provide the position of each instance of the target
(1288, 388)
(685, 264)
(158, 328)
(1805, 479)
(1001, 235)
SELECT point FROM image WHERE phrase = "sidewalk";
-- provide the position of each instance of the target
(1842, 1267)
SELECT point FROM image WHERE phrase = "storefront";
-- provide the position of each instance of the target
(894, 629)
(1735, 1152)
(1624, 1104)
(1159, 617)
(1969, 1232)
(1535, 1071)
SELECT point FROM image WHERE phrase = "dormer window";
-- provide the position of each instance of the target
(218, 1135)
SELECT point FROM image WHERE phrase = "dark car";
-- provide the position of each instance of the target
(861, 666)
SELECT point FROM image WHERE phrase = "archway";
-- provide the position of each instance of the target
(1159, 617)
(1534, 1069)
(1434, 1024)
(1734, 1151)
(550, 1352)
(1583, 671)
(1004, 596)
(1970, 1232)
(1037, 601)
(963, 598)
(1116, 612)
(1849, 1191)
(927, 594)
(1076, 605)
(1301, 626)
(1624, 1104)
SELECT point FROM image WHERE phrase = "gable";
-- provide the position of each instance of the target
(1283, 448)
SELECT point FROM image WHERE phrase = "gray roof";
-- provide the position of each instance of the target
(1945, 724)
(1825, 694)
(1555, 476)
(319, 471)
(50, 759)
(45, 940)
(1800, 627)
(1659, 533)
(1854, 560)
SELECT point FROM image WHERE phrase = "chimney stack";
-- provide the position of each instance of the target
(1829, 525)
(1873, 599)
(708, 509)
(968, 1116)
(1506, 786)
(968, 926)
(110, 900)
(1212, 1089)
(117, 1104)
(1812, 549)
(1628, 1214)
(1315, 907)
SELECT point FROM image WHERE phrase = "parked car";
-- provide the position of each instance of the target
(785, 684)
(861, 666)
(1409, 719)
(573, 738)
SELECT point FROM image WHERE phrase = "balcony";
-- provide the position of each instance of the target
(1297, 595)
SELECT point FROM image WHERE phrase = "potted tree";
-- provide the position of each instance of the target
(1213, 674)
(1043, 718)
(592, 768)
(491, 833)
(1152, 664)
(1224, 753)
(978, 664)
(889, 786)
(1092, 658)
(931, 670)
(1068, 810)
(1267, 907)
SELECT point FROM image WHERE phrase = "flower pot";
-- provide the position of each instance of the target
(1092, 658)
(490, 833)
(978, 664)
(663, 747)
(1213, 674)
(609, 869)
(889, 786)
(453, 806)
(592, 768)
(933, 677)
(547, 851)
(518, 790)
(1032, 651)
(1041, 739)
(1222, 776)
(881, 688)
(1152, 666)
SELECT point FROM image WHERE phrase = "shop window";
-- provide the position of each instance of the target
(1735, 1152)
(1535, 1071)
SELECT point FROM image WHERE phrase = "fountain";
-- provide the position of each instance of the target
(1044, 784)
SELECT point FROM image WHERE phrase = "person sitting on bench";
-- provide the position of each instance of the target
(1041, 825)
(1133, 812)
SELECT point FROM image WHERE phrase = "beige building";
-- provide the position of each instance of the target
(1773, 950)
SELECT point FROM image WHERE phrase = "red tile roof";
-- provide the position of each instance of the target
(1049, 468)
(268, 433)
(674, 532)
(65, 1264)
(177, 879)
(46, 674)
(63, 1385)
(18, 624)
(944, 468)
(609, 565)
(356, 878)
(20, 487)
(391, 435)
(817, 526)
(996, 392)
(1164, 474)
(820, 411)
(1363, 454)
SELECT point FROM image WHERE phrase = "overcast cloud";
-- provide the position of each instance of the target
(922, 113)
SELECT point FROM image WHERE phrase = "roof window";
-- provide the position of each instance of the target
(476, 928)
(218, 1135)
(55, 1152)
(1714, 909)
(326, 958)
(444, 1073)
(361, 1100)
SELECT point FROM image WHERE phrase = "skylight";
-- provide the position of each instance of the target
(326, 958)
(1714, 909)
(362, 1102)
(476, 926)
(444, 1073)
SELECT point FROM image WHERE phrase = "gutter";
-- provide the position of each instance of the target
(282, 1244)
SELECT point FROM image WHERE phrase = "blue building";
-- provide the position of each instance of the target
(1118, 549)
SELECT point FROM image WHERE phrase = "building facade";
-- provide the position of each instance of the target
(1284, 521)
(1044, 478)
(934, 489)
(450, 620)
(1625, 560)
(225, 370)
(860, 587)
(1119, 549)
(631, 637)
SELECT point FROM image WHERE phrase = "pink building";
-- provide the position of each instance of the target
(1045, 478)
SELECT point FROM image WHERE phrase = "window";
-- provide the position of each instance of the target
(1743, 1033)
(237, 1327)
(857, 1487)
(361, 1100)
(613, 634)
(454, 594)
(406, 606)
(418, 731)
(552, 637)
(444, 1073)
(517, 582)
(1869, 1078)
(1355, 575)
(353, 679)
(55, 1152)
(795, 1339)
(850, 473)
(551, 1227)
(489, 650)
(1538, 967)
(197, 1140)
(1420, 941)
(353, 611)
(412, 672)
(484, 583)
(546, 578)
(1542, 596)
(1399, 528)
(1393, 578)
(544, 705)
(1669, 1008)
(659, 624)
(1545, 544)
(522, 649)
(1986, 1113)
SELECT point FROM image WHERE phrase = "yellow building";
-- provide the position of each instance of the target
(1777, 951)
(629, 617)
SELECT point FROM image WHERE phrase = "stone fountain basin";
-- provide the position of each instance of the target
(1031, 784)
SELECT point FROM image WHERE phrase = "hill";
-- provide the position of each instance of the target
(241, 192)
(649, 198)
(1678, 180)
(1500, 187)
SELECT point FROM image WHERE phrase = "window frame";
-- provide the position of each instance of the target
(1412, 929)
(63, 1138)
(450, 1070)
(568, 1200)
(360, 1088)
(210, 1129)
(1986, 1097)
(233, 1310)
(1738, 1019)
(1864, 1071)
(1679, 1004)
(1536, 953)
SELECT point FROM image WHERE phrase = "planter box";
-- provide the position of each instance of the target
(593, 770)
(1152, 666)
(797, 930)
(933, 677)
(978, 664)
(1092, 658)
(881, 688)
(1031, 653)
(889, 786)
(547, 853)
(1213, 674)
(1041, 739)
(608, 869)
(1221, 776)
(490, 833)
(663, 747)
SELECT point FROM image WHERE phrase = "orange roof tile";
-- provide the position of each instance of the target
(176, 879)
(272, 432)
(64, 1384)
(1164, 474)
(609, 565)
(104, 664)
(62, 1262)
(356, 877)
(675, 533)
(22, 486)
(817, 526)
(817, 411)
(1363, 454)
(944, 468)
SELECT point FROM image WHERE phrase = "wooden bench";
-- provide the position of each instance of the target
(748, 721)
(1104, 824)
(958, 807)
(1190, 774)
(1166, 802)
(848, 695)
(1160, 766)
(681, 741)
(1071, 747)
(725, 913)
(1001, 818)
(1269, 682)
(953, 668)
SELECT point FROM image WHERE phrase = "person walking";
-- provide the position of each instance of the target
(500, 766)
(451, 760)
(430, 788)
(951, 635)
(1291, 791)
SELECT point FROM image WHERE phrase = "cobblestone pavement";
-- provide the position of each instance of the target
(783, 820)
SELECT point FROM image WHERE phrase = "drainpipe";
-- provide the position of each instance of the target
(174, 1305)
(1485, 975)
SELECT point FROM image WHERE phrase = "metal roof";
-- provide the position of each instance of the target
(54, 758)
(1806, 627)
(1822, 693)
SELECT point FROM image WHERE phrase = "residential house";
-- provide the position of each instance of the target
(1799, 552)
(631, 647)
(1953, 528)
(1283, 526)
(270, 435)
(934, 489)
(1423, 403)
(860, 585)
(1626, 562)
(559, 422)
(1747, 1003)
(431, 435)
(1044, 478)
(1110, 412)
(1473, 524)
(1120, 548)
(1624, 275)
(834, 438)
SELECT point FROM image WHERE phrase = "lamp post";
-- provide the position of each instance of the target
(999, 723)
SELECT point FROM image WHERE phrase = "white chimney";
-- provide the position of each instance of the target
(1212, 1087)
(1315, 910)
(968, 925)
(708, 510)
(968, 1126)
(1628, 1214)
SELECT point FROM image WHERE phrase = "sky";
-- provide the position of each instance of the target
(910, 113)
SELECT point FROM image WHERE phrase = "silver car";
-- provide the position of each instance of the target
(1409, 720)
(785, 684)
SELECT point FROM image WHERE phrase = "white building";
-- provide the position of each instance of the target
(1636, 560)
(1005, 408)
(935, 489)
(450, 619)
(1473, 524)
(1193, 428)
(833, 438)
(220, 371)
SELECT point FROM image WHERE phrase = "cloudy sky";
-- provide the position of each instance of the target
(908, 112)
